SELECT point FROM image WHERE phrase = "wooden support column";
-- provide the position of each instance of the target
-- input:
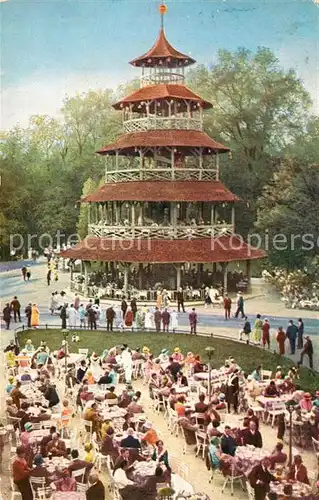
(116, 160)
(140, 276)
(89, 213)
(173, 163)
(233, 218)
(117, 212)
(212, 214)
(248, 270)
(178, 276)
(217, 167)
(200, 163)
(126, 269)
(225, 284)
(141, 165)
(86, 279)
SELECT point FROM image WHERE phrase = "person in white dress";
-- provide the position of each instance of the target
(127, 364)
(73, 317)
(149, 320)
(174, 321)
(95, 366)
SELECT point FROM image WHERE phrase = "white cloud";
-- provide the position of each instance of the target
(44, 94)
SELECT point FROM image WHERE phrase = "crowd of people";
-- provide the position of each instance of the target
(115, 425)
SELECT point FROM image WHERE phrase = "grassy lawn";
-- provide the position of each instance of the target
(248, 357)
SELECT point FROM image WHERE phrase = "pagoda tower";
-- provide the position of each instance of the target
(163, 207)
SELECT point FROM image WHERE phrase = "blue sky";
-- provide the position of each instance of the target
(52, 48)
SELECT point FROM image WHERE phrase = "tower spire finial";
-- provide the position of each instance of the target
(162, 10)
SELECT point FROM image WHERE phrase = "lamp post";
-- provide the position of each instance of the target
(65, 334)
(290, 409)
(210, 353)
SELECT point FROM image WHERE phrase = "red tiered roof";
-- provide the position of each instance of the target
(163, 50)
(126, 143)
(224, 249)
(162, 91)
(162, 191)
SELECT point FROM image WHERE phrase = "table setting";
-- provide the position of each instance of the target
(249, 456)
(299, 490)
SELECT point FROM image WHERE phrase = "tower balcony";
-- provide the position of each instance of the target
(167, 77)
(162, 123)
(159, 232)
(161, 174)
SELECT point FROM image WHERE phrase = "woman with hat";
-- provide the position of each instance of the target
(177, 355)
(25, 436)
(95, 366)
(306, 403)
(35, 316)
(10, 385)
(39, 470)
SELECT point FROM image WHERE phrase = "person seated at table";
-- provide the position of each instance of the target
(298, 471)
(39, 470)
(24, 414)
(271, 390)
(77, 464)
(127, 488)
(128, 422)
(253, 388)
(29, 347)
(51, 395)
(56, 447)
(260, 478)
(150, 437)
(277, 456)
(42, 356)
(109, 446)
(26, 377)
(212, 414)
(84, 395)
(91, 415)
(110, 394)
(96, 490)
(105, 426)
(11, 408)
(25, 435)
(201, 406)
(252, 436)
(137, 355)
(256, 374)
(188, 427)
(46, 440)
(306, 403)
(198, 365)
(177, 355)
(130, 441)
(214, 454)
(252, 417)
(105, 379)
(181, 380)
(173, 397)
(10, 384)
(66, 483)
(153, 483)
(81, 371)
(213, 429)
(135, 407)
(180, 406)
(16, 395)
(174, 367)
(221, 401)
(160, 454)
(124, 399)
(228, 443)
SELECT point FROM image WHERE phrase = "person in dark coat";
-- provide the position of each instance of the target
(96, 491)
(228, 444)
(232, 390)
(63, 316)
(308, 350)
(6, 314)
(110, 315)
(301, 329)
(252, 436)
(157, 319)
(134, 307)
(291, 334)
(260, 478)
(180, 300)
(49, 277)
(16, 307)
(123, 307)
(92, 318)
(78, 464)
(166, 319)
(28, 312)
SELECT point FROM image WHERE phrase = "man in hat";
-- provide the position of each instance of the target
(240, 305)
(180, 300)
(110, 315)
(192, 317)
(157, 319)
(166, 319)
(308, 350)
(16, 306)
(227, 306)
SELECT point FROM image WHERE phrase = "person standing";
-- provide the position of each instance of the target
(6, 314)
(308, 350)
(63, 316)
(174, 321)
(281, 337)
(129, 318)
(21, 473)
(16, 307)
(91, 318)
(180, 300)
(110, 316)
(35, 316)
(266, 333)
(260, 478)
(28, 274)
(49, 277)
(246, 330)
(123, 307)
(73, 316)
(157, 319)
(301, 329)
(134, 307)
(28, 312)
(76, 302)
(291, 334)
(24, 273)
(166, 320)
(192, 317)
(240, 305)
(232, 390)
(227, 306)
